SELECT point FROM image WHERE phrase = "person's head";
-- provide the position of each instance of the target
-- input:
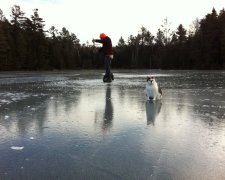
(102, 36)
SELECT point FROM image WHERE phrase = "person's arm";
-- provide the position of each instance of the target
(97, 40)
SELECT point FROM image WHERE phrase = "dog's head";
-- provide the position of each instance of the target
(150, 80)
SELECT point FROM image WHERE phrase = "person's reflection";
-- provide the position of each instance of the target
(152, 111)
(108, 114)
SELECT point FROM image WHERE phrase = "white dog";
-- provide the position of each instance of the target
(152, 89)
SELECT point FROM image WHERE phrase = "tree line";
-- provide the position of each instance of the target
(26, 45)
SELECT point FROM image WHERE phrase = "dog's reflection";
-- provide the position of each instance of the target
(152, 111)
(108, 114)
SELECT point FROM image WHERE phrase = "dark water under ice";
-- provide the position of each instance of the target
(71, 125)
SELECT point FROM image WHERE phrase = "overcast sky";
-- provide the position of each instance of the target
(116, 18)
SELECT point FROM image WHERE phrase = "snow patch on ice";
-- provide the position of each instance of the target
(7, 98)
(17, 148)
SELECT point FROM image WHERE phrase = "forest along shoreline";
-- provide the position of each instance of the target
(25, 44)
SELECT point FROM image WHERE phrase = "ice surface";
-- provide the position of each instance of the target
(74, 126)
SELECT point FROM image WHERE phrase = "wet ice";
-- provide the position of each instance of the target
(77, 127)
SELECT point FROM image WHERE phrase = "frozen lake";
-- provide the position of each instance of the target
(71, 125)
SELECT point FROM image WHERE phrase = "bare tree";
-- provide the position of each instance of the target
(166, 30)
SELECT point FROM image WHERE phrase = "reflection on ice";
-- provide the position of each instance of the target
(152, 111)
(108, 114)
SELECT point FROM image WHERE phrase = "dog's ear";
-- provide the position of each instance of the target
(148, 78)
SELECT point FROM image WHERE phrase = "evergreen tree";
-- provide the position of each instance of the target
(146, 37)
(210, 40)
(159, 39)
(53, 32)
(174, 39)
(122, 54)
(17, 16)
(121, 42)
(221, 21)
(181, 34)
(2, 17)
(4, 47)
(38, 23)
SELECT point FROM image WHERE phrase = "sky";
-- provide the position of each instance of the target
(116, 18)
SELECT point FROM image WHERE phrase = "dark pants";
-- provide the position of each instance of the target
(107, 66)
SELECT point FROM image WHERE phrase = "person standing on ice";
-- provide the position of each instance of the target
(107, 50)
